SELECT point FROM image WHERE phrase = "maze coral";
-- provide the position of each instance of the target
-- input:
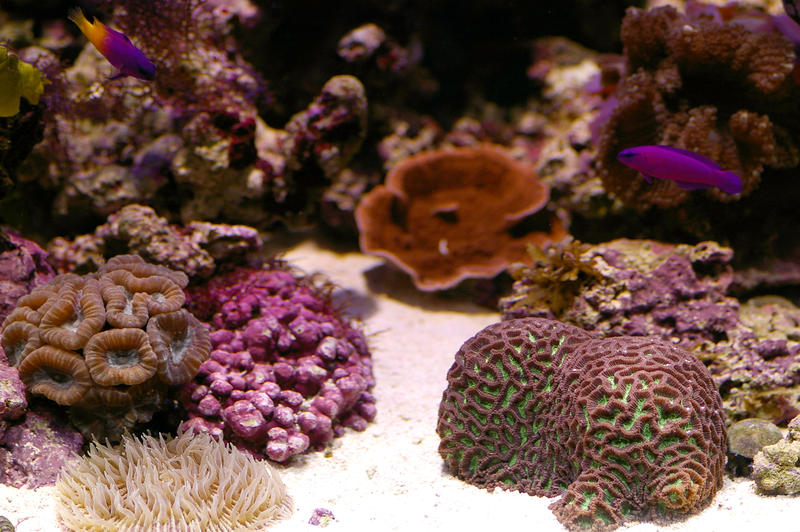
(106, 344)
(618, 426)
(682, 294)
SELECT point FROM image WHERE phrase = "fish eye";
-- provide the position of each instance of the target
(625, 154)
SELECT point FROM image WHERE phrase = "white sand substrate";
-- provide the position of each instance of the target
(390, 477)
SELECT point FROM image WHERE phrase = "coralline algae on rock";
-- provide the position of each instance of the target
(196, 248)
(776, 468)
(746, 438)
(286, 371)
(23, 266)
(679, 293)
(33, 451)
(620, 426)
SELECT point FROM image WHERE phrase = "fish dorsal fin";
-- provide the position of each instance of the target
(693, 155)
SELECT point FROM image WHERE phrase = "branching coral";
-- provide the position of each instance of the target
(286, 372)
(450, 214)
(620, 426)
(191, 482)
(704, 85)
(106, 344)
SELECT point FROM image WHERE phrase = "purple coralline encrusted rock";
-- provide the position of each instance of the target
(12, 395)
(286, 372)
(321, 517)
(196, 248)
(315, 146)
(23, 266)
(679, 293)
(33, 451)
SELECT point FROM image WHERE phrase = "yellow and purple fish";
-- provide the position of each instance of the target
(115, 47)
(689, 170)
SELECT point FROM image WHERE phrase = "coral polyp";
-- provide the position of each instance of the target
(100, 343)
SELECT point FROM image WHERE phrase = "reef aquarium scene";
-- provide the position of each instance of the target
(399, 265)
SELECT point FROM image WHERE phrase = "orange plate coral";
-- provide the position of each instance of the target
(454, 213)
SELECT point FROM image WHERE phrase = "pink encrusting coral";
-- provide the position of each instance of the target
(23, 266)
(286, 373)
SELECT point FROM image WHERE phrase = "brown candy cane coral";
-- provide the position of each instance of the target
(454, 213)
(107, 344)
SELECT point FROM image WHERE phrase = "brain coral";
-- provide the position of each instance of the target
(190, 483)
(454, 213)
(620, 426)
(683, 294)
(286, 373)
(106, 344)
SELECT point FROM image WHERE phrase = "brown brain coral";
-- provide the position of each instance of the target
(454, 213)
(703, 85)
(620, 427)
(106, 344)
(191, 482)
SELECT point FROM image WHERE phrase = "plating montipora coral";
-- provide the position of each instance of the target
(620, 427)
(108, 344)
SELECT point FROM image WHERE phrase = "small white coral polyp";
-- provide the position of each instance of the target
(190, 483)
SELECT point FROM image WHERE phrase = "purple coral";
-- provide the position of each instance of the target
(286, 372)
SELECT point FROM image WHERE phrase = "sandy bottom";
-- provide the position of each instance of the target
(390, 476)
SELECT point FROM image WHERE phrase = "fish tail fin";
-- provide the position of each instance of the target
(76, 15)
(731, 183)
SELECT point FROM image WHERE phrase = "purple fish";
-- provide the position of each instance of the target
(792, 8)
(688, 169)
